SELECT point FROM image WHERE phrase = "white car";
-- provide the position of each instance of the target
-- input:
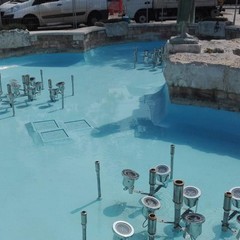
(35, 13)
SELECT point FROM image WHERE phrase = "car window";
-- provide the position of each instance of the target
(18, 1)
(37, 2)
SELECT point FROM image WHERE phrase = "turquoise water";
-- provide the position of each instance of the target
(45, 186)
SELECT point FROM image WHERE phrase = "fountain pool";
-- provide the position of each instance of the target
(119, 115)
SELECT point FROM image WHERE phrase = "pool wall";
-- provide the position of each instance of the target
(19, 42)
(77, 40)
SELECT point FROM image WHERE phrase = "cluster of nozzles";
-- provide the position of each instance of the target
(231, 204)
(189, 222)
(188, 195)
(31, 88)
(159, 177)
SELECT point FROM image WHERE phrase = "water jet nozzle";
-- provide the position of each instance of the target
(129, 177)
(163, 173)
(235, 191)
(194, 223)
(191, 195)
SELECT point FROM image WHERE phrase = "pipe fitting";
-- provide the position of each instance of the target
(178, 192)
(152, 224)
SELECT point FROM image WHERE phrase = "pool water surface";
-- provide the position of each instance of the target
(121, 116)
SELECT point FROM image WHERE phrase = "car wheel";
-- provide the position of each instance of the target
(31, 22)
(141, 17)
(93, 18)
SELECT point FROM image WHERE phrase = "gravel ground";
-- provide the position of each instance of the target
(229, 54)
(223, 52)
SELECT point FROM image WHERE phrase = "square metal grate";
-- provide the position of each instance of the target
(44, 125)
(54, 135)
(78, 125)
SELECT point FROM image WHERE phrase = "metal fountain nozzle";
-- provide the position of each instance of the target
(191, 195)
(152, 226)
(178, 201)
(150, 205)
(194, 223)
(235, 191)
(129, 177)
(60, 85)
(238, 234)
(227, 208)
(163, 173)
(178, 191)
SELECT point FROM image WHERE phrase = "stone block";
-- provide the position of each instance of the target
(181, 48)
(213, 29)
(116, 29)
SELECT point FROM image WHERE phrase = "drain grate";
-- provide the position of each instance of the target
(44, 125)
(54, 135)
(49, 131)
(78, 125)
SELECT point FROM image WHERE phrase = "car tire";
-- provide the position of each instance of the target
(93, 18)
(141, 17)
(31, 22)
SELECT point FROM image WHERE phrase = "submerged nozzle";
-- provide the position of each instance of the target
(129, 177)
(191, 195)
(152, 226)
(152, 180)
(178, 192)
(194, 223)
(238, 234)
(84, 224)
(163, 172)
(49, 83)
(235, 196)
(172, 151)
(178, 201)
(227, 208)
(150, 205)
(97, 168)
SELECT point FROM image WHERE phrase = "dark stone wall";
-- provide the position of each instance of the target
(205, 97)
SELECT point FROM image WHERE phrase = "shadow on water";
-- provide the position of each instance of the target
(48, 60)
(135, 213)
(115, 210)
(219, 234)
(118, 208)
(201, 128)
(143, 235)
(84, 206)
(138, 236)
(171, 234)
(45, 106)
(4, 111)
(23, 104)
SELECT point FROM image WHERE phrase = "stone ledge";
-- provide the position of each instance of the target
(15, 38)
(180, 48)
